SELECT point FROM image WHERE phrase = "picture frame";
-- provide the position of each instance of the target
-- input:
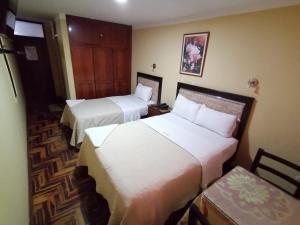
(193, 54)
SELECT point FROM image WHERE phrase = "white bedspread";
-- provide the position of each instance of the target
(211, 149)
(133, 108)
(97, 135)
(143, 175)
(149, 168)
(82, 114)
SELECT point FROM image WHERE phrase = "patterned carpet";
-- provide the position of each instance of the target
(58, 196)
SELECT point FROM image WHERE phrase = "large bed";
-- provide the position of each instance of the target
(149, 168)
(82, 114)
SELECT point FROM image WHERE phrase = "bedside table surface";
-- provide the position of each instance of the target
(155, 110)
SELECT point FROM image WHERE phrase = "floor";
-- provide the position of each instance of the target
(58, 196)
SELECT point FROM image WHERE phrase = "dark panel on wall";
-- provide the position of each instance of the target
(82, 58)
(104, 77)
(110, 45)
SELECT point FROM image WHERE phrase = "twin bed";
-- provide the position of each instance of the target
(146, 169)
(82, 114)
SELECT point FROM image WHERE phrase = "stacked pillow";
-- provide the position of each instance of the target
(143, 92)
(219, 122)
(186, 108)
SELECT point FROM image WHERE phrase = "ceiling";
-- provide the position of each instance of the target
(144, 13)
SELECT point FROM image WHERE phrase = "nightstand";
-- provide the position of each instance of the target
(155, 111)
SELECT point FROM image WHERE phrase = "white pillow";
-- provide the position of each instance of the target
(185, 108)
(138, 90)
(143, 92)
(219, 122)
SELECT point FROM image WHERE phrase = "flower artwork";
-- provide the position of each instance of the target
(193, 53)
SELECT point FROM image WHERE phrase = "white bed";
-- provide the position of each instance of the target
(82, 114)
(149, 168)
(136, 175)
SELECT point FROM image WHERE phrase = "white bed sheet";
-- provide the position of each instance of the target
(143, 179)
(90, 113)
(210, 148)
(133, 107)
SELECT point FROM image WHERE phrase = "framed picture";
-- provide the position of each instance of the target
(193, 53)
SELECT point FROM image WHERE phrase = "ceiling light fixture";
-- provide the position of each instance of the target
(121, 1)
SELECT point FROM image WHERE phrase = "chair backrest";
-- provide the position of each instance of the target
(196, 216)
(257, 164)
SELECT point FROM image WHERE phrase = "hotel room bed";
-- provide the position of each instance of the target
(149, 168)
(82, 114)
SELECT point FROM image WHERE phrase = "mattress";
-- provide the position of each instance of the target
(82, 114)
(143, 172)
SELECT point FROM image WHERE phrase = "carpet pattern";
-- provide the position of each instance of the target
(58, 195)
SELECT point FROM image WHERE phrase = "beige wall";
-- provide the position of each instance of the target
(55, 60)
(263, 44)
(65, 53)
(14, 202)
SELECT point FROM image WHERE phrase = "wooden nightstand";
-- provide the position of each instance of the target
(155, 111)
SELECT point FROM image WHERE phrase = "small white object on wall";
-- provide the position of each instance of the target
(31, 53)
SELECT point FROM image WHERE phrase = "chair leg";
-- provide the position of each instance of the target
(195, 215)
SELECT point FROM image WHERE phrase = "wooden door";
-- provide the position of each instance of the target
(122, 72)
(83, 69)
(104, 77)
(35, 71)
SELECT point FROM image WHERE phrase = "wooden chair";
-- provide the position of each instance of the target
(257, 164)
(196, 216)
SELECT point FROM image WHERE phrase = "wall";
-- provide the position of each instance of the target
(262, 44)
(14, 201)
(55, 60)
(65, 53)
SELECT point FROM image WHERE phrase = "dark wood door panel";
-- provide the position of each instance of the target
(85, 90)
(83, 31)
(122, 72)
(118, 36)
(103, 64)
(122, 89)
(104, 74)
(104, 90)
(82, 60)
(101, 54)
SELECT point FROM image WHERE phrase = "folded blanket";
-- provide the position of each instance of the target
(74, 102)
(98, 135)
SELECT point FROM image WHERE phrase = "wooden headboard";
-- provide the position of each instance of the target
(151, 81)
(230, 103)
